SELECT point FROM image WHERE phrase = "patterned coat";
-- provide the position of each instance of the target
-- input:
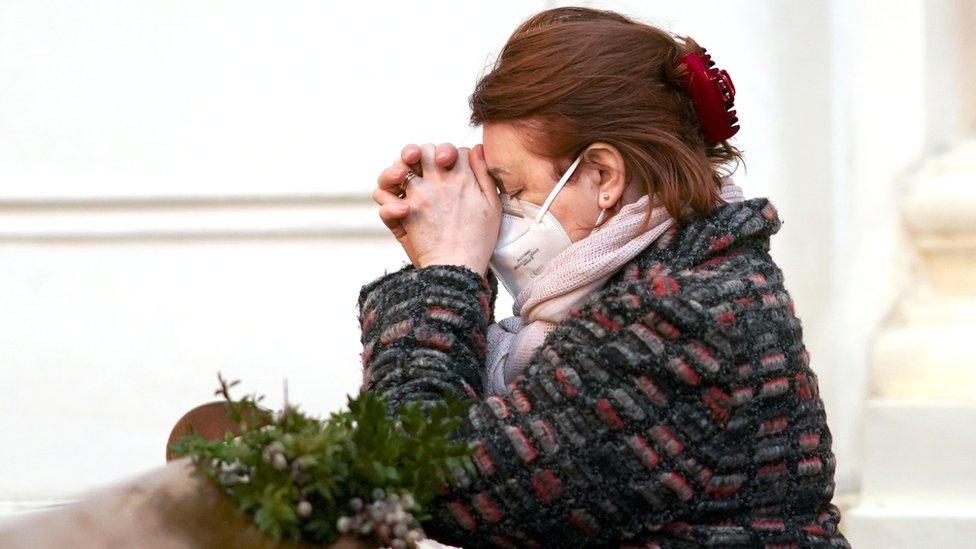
(675, 408)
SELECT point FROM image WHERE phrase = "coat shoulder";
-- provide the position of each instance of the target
(744, 224)
(711, 288)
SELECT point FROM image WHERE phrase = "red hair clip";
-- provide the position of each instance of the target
(713, 94)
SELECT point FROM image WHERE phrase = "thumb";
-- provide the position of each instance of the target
(480, 168)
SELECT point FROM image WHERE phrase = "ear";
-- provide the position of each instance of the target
(607, 164)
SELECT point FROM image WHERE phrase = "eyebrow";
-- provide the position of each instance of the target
(494, 172)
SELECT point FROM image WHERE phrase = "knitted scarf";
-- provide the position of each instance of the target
(569, 279)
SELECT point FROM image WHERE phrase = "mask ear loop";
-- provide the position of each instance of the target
(557, 188)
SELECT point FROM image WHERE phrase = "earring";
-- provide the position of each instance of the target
(606, 196)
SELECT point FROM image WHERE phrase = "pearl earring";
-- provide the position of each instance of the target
(606, 196)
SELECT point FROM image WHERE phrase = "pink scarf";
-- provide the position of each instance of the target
(568, 280)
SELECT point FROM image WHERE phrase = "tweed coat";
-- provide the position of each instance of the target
(674, 408)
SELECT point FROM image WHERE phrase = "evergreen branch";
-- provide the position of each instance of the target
(306, 478)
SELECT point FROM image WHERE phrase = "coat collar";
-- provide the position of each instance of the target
(743, 224)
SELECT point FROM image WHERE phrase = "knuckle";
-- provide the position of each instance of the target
(389, 184)
(385, 176)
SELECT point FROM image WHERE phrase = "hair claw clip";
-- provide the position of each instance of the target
(713, 94)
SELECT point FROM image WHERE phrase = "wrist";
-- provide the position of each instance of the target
(472, 266)
(477, 266)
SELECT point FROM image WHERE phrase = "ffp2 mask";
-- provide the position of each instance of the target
(529, 237)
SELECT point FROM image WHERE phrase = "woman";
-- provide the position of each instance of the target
(653, 387)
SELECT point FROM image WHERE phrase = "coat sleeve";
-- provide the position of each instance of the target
(608, 431)
(424, 330)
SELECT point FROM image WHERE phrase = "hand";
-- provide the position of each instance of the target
(389, 188)
(454, 213)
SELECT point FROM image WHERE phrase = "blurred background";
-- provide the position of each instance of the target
(185, 189)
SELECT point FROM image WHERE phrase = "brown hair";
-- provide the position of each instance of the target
(570, 76)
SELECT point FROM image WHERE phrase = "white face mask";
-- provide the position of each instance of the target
(529, 237)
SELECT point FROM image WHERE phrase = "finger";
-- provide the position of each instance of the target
(384, 197)
(410, 154)
(479, 166)
(446, 155)
(464, 159)
(427, 162)
(391, 216)
(392, 178)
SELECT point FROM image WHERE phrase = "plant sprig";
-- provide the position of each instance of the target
(305, 478)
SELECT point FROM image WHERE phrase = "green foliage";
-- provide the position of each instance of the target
(296, 475)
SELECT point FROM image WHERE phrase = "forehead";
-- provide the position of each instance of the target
(504, 152)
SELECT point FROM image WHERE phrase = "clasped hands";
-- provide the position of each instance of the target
(449, 214)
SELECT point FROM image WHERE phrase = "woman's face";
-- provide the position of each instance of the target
(530, 179)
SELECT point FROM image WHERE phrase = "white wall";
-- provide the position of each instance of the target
(184, 188)
(120, 98)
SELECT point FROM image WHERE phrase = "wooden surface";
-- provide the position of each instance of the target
(175, 506)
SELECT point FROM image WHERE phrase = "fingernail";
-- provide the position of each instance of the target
(442, 156)
(398, 172)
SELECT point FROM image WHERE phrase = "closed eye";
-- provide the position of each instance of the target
(501, 188)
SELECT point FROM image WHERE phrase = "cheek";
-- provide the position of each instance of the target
(576, 213)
